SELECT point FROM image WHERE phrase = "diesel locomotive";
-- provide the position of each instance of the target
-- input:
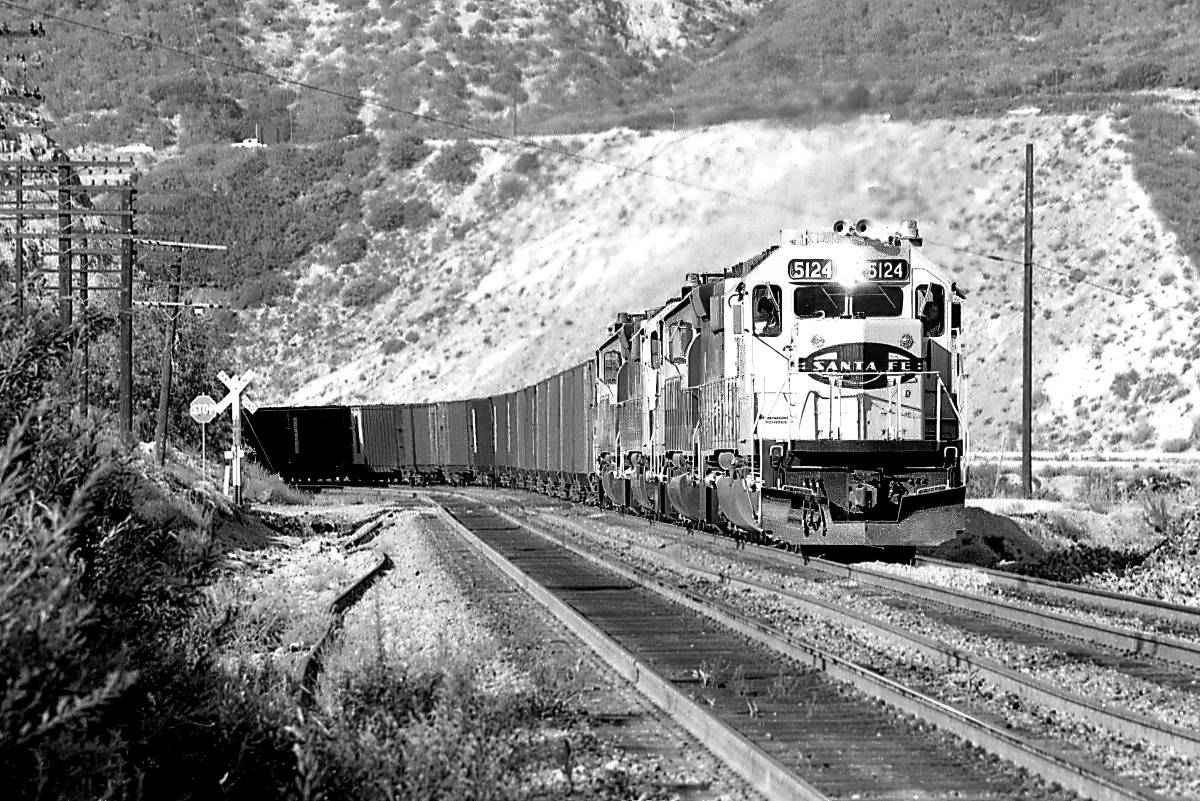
(808, 395)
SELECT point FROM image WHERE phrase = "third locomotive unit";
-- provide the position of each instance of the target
(809, 395)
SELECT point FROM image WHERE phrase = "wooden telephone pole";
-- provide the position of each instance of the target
(1027, 349)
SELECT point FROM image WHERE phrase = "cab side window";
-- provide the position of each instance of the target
(767, 303)
(931, 309)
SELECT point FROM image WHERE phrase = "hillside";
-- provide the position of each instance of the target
(530, 285)
(378, 258)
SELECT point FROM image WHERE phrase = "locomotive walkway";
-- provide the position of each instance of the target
(782, 708)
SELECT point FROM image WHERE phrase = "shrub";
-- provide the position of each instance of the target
(510, 189)
(1142, 434)
(1176, 445)
(411, 214)
(527, 163)
(365, 291)
(1142, 75)
(493, 104)
(393, 346)
(349, 248)
(408, 151)
(1122, 383)
(856, 98)
(456, 164)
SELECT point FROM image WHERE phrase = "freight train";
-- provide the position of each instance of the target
(808, 395)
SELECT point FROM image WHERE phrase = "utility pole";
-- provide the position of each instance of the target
(64, 243)
(125, 316)
(164, 394)
(85, 346)
(20, 243)
(1027, 350)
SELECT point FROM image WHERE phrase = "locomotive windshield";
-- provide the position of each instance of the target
(832, 299)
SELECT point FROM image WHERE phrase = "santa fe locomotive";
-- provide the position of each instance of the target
(809, 395)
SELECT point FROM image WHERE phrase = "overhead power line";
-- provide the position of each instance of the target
(1183, 315)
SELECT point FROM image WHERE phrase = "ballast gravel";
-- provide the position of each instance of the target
(433, 610)
(1162, 769)
(970, 580)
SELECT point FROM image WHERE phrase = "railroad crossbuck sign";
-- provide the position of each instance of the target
(235, 401)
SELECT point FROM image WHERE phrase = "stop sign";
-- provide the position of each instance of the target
(203, 409)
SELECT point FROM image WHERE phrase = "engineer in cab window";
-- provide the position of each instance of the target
(930, 300)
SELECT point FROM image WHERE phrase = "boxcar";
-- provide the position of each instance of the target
(304, 443)
(384, 441)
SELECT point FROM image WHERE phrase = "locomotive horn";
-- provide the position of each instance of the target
(862, 225)
(841, 227)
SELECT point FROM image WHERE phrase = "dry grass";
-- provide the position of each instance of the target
(261, 485)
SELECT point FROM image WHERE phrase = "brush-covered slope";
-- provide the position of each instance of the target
(523, 270)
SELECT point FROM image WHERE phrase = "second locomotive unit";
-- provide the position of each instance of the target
(808, 395)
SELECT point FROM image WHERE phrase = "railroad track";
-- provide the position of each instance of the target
(1145, 654)
(788, 700)
(1030, 690)
(1169, 618)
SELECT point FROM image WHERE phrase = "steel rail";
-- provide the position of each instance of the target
(1118, 602)
(755, 766)
(1020, 614)
(1027, 688)
(1068, 772)
(314, 662)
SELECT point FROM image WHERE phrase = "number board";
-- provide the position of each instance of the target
(887, 270)
(810, 269)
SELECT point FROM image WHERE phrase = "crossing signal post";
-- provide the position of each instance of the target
(235, 401)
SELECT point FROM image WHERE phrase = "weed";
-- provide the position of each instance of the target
(411, 214)
(349, 249)
(455, 164)
(1158, 511)
(263, 486)
(738, 682)
(407, 151)
(510, 189)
